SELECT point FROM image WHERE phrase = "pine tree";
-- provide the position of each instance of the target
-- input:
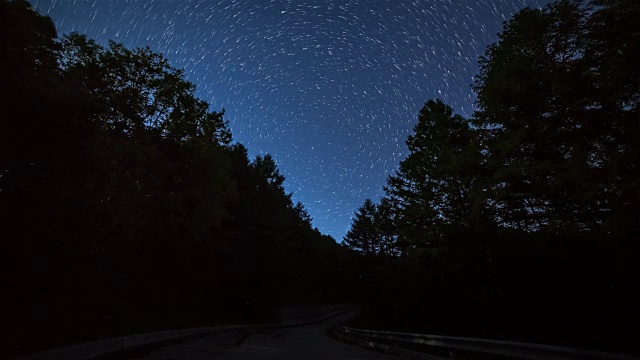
(364, 236)
(432, 188)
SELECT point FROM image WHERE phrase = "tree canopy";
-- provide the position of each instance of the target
(129, 205)
(529, 208)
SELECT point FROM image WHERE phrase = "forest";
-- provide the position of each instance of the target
(128, 207)
(522, 221)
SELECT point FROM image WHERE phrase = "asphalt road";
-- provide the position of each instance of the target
(300, 343)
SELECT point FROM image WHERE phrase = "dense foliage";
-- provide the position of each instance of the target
(125, 204)
(523, 220)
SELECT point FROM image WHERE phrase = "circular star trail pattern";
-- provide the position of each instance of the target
(330, 88)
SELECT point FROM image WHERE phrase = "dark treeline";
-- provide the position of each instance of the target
(127, 207)
(521, 222)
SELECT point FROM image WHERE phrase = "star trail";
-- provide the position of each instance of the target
(330, 88)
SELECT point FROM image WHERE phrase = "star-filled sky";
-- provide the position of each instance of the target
(330, 88)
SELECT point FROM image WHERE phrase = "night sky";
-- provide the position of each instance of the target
(330, 88)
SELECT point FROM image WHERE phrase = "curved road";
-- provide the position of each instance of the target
(300, 342)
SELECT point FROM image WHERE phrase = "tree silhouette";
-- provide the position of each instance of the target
(127, 204)
(558, 130)
(528, 210)
(364, 236)
(432, 188)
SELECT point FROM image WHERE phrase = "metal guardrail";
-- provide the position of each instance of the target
(448, 347)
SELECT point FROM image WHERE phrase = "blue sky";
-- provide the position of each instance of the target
(330, 88)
